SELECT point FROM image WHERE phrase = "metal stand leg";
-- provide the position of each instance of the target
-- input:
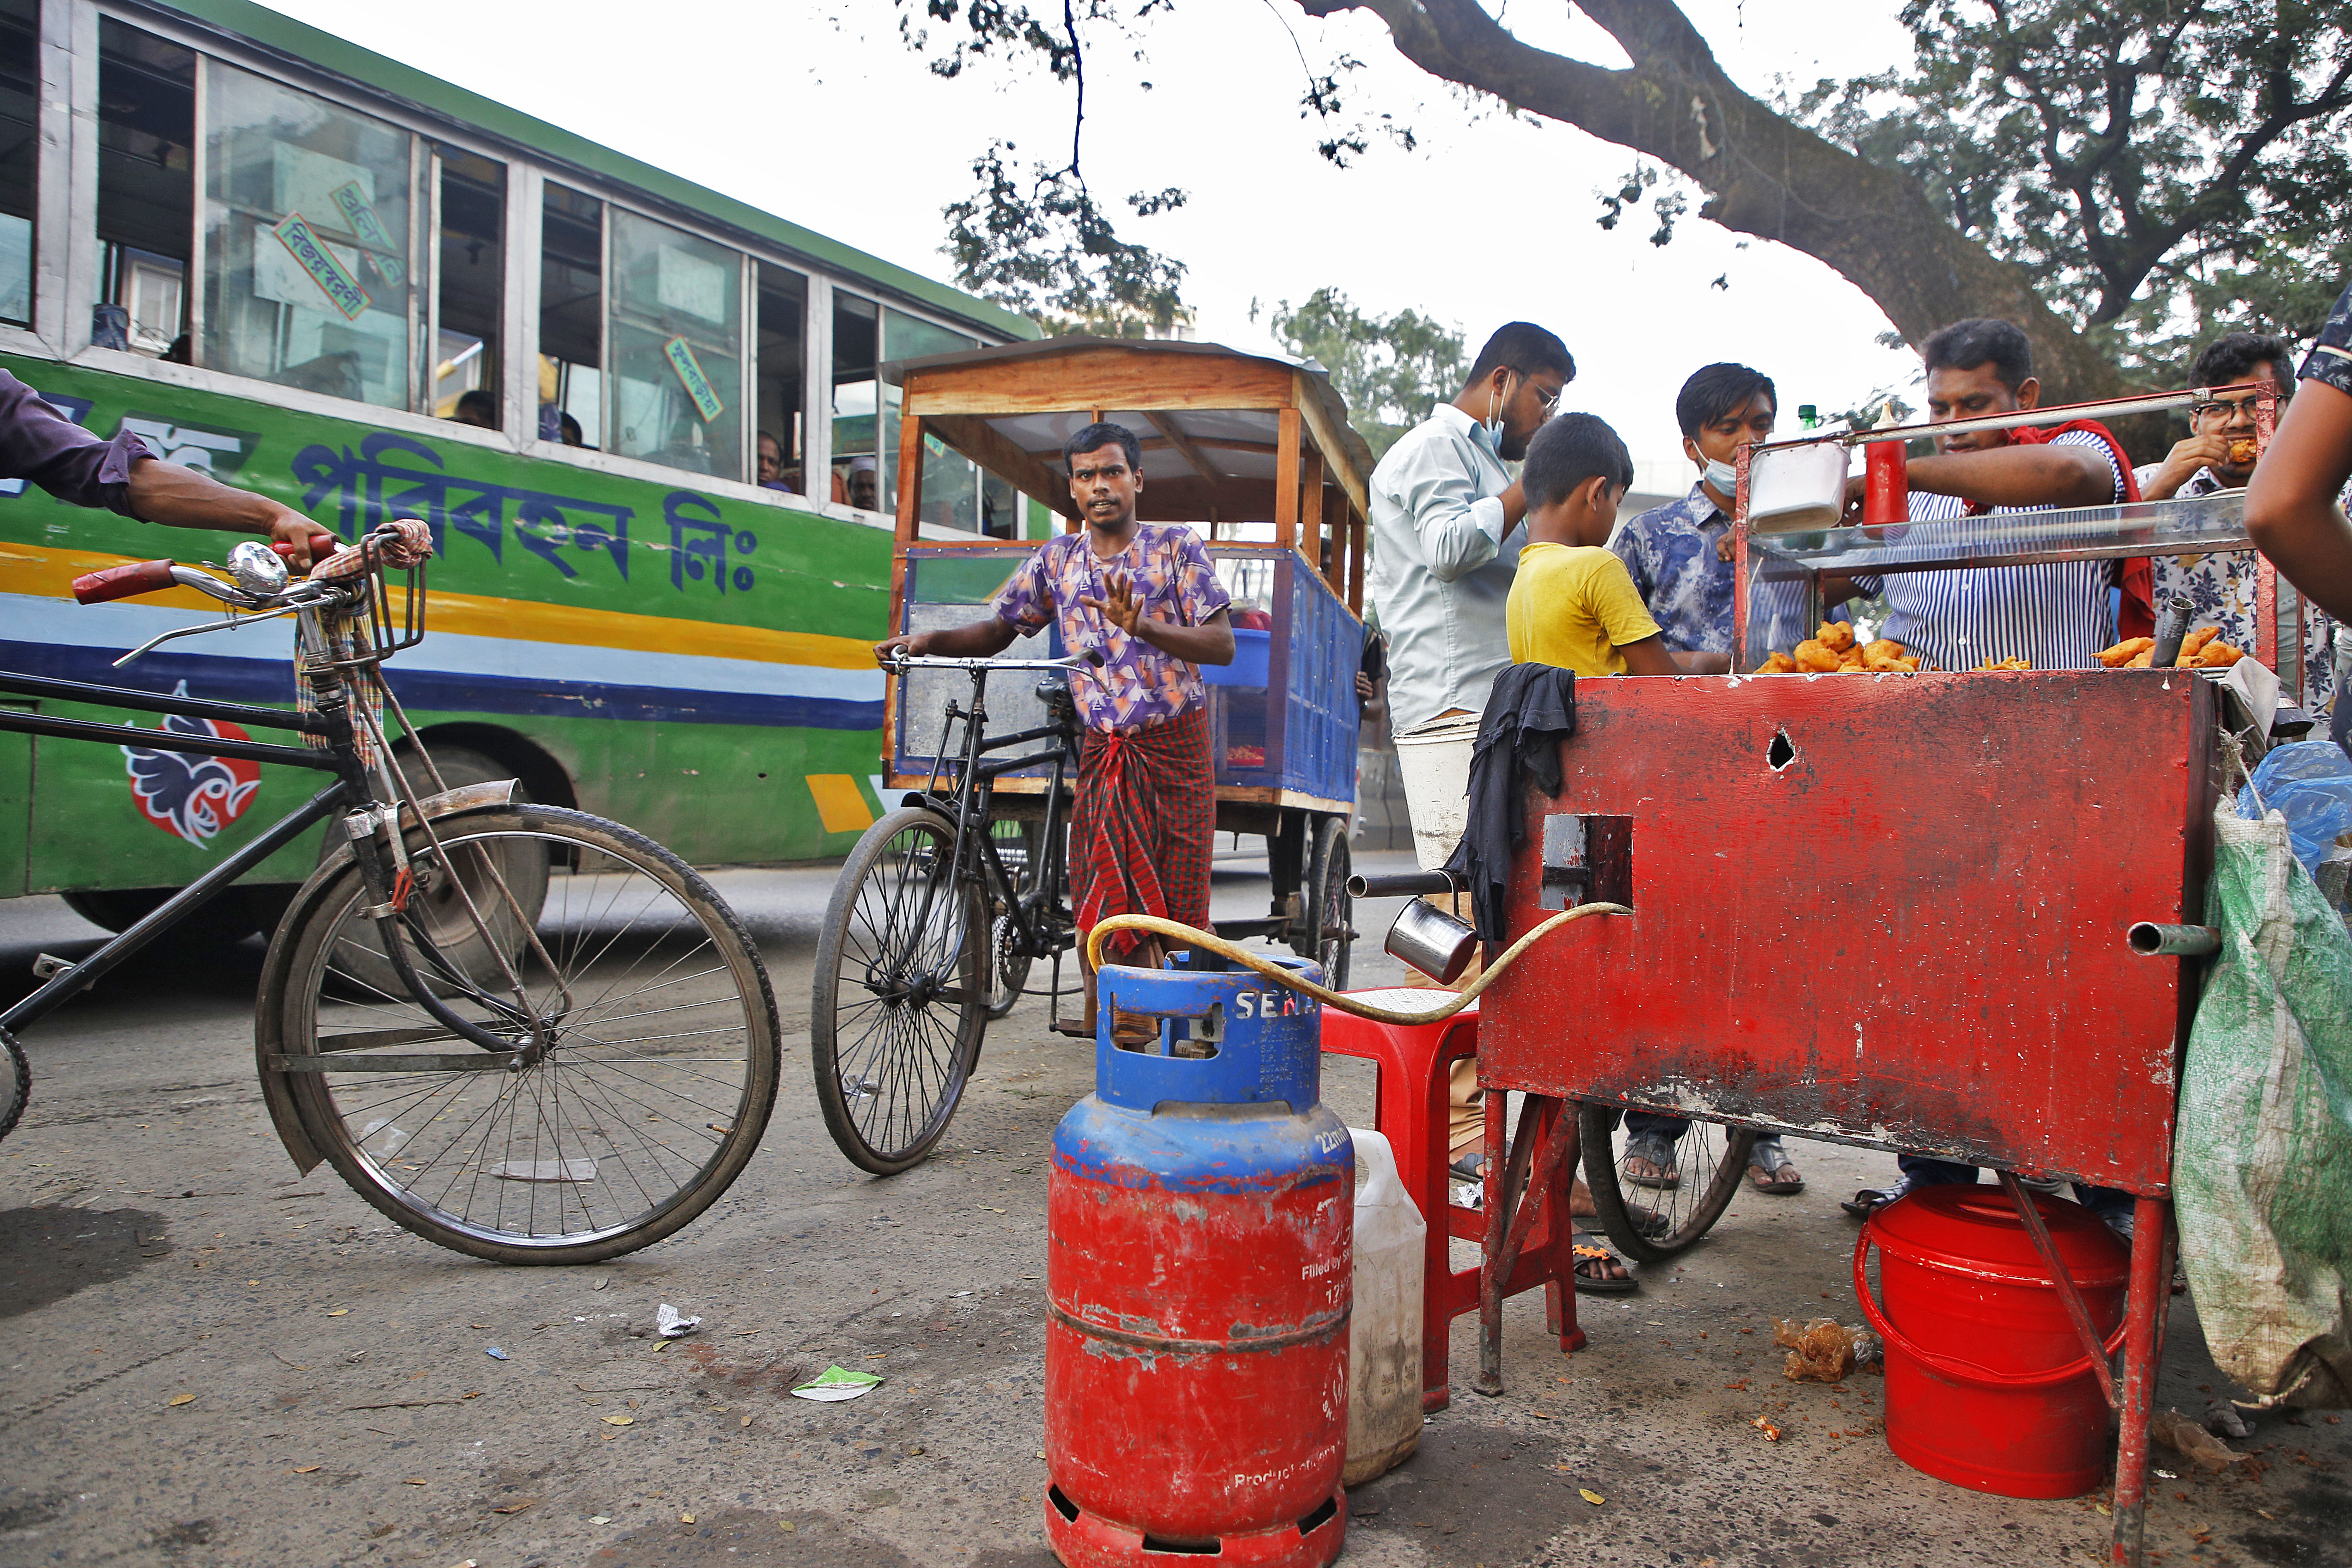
(1506, 1237)
(2144, 1309)
(1498, 1218)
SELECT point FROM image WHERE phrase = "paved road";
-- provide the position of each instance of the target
(156, 1245)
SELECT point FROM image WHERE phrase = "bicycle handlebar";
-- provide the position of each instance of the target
(1090, 660)
(111, 583)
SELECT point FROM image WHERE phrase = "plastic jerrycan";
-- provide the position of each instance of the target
(1384, 1331)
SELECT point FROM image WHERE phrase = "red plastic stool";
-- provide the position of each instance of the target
(1414, 1061)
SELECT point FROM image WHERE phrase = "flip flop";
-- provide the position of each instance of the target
(1868, 1201)
(1778, 1172)
(1590, 1285)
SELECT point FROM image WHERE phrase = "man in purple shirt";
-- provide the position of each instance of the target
(39, 444)
(1146, 597)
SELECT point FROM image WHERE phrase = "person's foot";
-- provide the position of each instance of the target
(1650, 1163)
(1868, 1201)
(1599, 1273)
(1470, 1167)
(1769, 1169)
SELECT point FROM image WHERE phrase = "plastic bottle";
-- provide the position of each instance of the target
(1809, 417)
(1384, 1333)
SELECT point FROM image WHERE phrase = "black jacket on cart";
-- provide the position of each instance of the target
(1529, 711)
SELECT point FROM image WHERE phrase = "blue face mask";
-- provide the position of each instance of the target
(1722, 476)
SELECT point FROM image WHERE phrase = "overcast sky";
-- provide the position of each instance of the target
(814, 110)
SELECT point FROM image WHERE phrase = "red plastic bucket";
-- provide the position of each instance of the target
(1987, 1382)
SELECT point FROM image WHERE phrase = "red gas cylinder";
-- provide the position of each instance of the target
(1200, 1217)
(1988, 1385)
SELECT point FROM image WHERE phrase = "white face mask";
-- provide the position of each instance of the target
(1493, 420)
(1723, 477)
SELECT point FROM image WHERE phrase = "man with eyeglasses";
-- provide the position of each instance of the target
(2219, 586)
(1446, 524)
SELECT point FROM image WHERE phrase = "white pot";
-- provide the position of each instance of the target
(1792, 488)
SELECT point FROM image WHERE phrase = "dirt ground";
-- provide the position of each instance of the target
(211, 1361)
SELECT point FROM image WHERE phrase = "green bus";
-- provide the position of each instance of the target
(645, 420)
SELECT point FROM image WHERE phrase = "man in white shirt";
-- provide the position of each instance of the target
(1445, 520)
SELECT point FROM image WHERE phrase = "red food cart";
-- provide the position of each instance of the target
(1887, 909)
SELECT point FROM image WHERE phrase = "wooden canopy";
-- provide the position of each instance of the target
(1228, 437)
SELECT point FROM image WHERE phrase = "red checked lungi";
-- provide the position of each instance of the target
(1145, 823)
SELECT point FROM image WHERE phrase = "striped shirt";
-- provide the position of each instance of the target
(2056, 616)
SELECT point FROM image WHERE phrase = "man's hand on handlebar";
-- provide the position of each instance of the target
(184, 498)
(913, 644)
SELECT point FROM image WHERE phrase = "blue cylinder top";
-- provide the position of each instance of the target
(1264, 1040)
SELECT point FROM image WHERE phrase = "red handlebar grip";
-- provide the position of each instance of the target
(321, 546)
(121, 582)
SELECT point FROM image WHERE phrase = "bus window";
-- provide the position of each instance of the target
(146, 194)
(677, 348)
(469, 288)
(20, 77)
(572, 315)
(951, 482)
(306, 243)
(857, 337)
(776, 416)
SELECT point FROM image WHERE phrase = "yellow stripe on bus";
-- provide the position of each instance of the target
(840, 804)
(38, 570)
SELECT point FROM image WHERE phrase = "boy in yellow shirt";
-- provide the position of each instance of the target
(1572, 603)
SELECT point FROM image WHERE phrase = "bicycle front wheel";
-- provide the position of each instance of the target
(901, 994)
(646, 1103)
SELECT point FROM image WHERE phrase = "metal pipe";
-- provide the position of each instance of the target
(1402, 885)
(2150, 940)
(2029, 417)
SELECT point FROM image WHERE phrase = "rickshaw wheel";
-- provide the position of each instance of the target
(1330, 912)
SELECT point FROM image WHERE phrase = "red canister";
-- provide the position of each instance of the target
(1988, 1383)
(1199, 1215)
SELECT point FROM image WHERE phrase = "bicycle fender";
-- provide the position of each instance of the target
(275, 1093)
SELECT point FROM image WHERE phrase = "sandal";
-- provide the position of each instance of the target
(1659, 1153)
(1870, 1200)
(1769, 1169)
(1597, 1283)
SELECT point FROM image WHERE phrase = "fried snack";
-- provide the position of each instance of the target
(2013, 662)
(2218, 655)
(1850, 659)
(1779, 664)
(1811, 655)
(2144, 660)
(2197, 639)
(1835, 635)
(2124, 652)
(1883, 655)
(1892, 647)
(2242, 452)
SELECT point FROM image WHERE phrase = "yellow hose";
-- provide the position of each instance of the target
(1453, 1002)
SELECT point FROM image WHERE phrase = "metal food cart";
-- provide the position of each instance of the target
(1230, 440)
(1888, 910)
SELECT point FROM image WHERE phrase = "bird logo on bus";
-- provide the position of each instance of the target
(192, 797)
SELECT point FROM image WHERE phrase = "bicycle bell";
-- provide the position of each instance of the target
(257, 569)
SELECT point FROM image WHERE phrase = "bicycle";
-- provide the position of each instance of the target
(903, 994)
(1710, 1161)
(616, 1046)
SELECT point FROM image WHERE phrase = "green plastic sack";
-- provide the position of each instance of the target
(2262, 1152)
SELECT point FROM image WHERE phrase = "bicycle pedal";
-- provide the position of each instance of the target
(48, 965)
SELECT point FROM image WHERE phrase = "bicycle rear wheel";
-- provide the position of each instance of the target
(646, 1106)
(902, 993)
(1711, 1159)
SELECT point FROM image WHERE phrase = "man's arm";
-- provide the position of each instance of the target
(2291, 506)
(183, 498)
(2044, 475)
(979, 640)
(1460, 529)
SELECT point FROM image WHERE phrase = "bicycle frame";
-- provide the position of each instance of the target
(975, 856)
(349, 787)
(373, 827)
